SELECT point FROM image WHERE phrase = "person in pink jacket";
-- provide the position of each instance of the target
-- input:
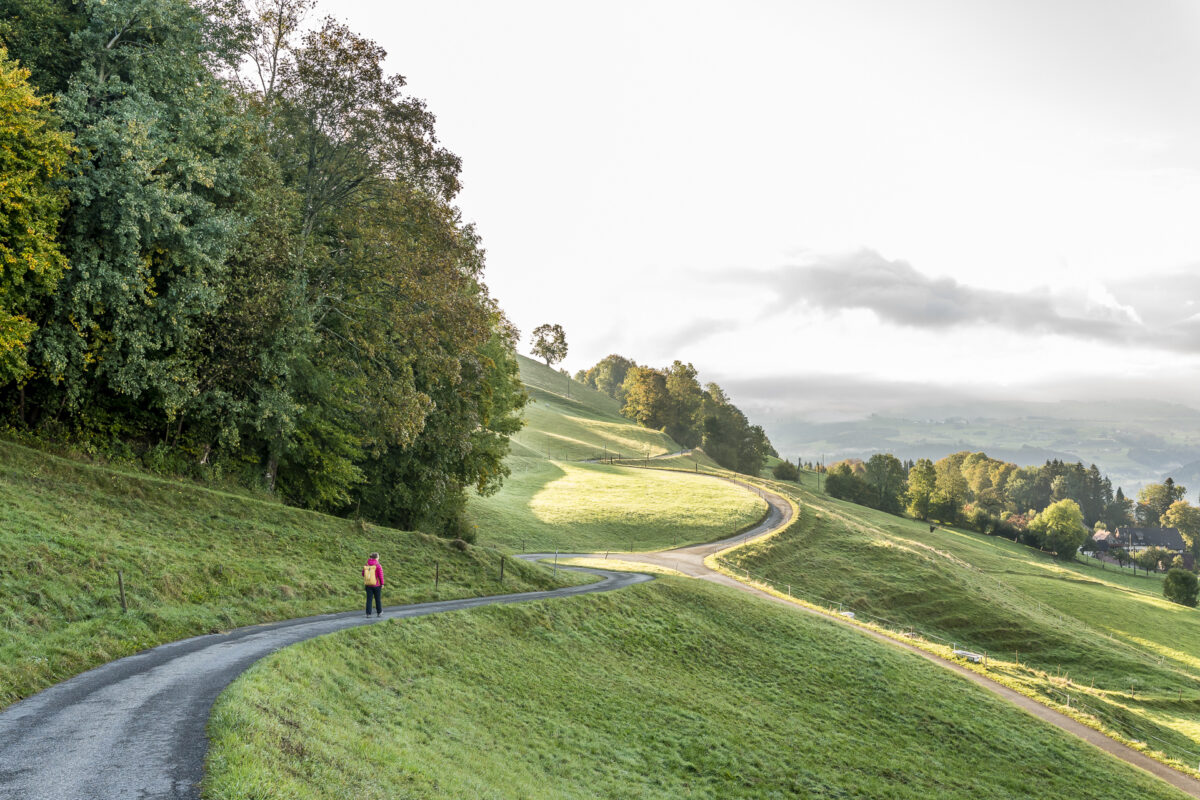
(373, 583)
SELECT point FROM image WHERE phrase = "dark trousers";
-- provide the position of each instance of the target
(374, 592)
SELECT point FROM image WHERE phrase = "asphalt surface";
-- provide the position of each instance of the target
(134, 729)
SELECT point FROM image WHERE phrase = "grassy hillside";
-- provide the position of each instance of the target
(194, 561)
(557, 505)
(1105, 637)
(670, 689)
(564, 503)
(586, 425)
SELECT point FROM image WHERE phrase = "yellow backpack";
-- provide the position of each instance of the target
(369, 575)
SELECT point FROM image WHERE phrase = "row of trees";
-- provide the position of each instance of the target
(263, 275)
(1026, 503)
(672, 400)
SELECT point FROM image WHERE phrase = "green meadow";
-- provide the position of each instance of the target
(671, 689)
(566, 503)
(193, 561)
(1124, 654)
(555, 505)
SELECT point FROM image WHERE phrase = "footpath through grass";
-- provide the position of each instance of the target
(194, 561)
(1109, 640)
(672, 689)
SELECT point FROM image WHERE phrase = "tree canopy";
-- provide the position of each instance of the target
(268, 279)
(1061, 527)
(33, 155)
(673, 400)
(550, 343)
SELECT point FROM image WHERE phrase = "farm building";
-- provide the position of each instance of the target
(1135, 539)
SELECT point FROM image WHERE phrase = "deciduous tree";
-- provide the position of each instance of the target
(922, 481)
(550, 343)
(1155, 499)
(1184, 517)
(1061, 528)
(885, 477)
(33, 153)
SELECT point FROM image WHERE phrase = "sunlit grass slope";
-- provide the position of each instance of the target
(194, 561)
(586, 425)
(1130, 656)
(547, 506)
(564, 503)
(667, 690)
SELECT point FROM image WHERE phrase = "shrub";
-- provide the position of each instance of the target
(1181, 586)
(843, 484)
(980, 520)
(786, 471)
(1006, 529)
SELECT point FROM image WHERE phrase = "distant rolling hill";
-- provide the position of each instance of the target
(1133, 442)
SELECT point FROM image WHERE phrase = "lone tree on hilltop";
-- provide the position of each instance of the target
(550, 343)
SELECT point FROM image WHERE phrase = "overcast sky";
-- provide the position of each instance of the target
(966, 193)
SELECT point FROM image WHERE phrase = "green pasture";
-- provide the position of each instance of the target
(568, 503)
(1105, 637)
(555, 505)
(193, 560)
(665, 690)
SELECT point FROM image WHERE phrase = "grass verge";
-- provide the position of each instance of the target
(670, 689)
(193, 560)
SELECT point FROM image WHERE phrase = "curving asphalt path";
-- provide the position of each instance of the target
(134, 729)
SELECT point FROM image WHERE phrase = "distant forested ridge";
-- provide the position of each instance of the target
(999, 497)
(240, 257)
(673, 401)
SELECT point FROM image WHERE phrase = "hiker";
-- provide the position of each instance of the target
(373, 583)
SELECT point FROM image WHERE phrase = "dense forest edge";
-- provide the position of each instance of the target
(230, 251)
(673, 401)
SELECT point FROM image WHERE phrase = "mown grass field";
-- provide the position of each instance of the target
(567, 504)
(1105, 637)
(666, 690)
(194, 561)
(546, 506)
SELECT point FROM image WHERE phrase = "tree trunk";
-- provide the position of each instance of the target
(272, 468)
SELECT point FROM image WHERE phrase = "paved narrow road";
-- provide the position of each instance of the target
(134, 729)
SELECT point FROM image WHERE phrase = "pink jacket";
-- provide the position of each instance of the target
(378, 570)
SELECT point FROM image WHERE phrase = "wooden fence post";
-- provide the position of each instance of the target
(437, 575)
(121, 586)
